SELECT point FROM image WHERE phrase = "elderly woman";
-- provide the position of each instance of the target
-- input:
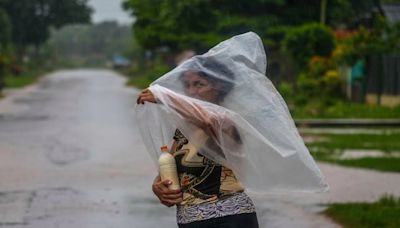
(233, 133)
(211, 195)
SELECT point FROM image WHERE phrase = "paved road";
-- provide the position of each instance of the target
(71, 156)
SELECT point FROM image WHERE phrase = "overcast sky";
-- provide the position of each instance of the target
(109, 10)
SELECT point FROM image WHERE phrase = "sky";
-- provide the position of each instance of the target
(109, 10)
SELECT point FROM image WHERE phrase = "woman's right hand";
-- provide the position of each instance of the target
(166, 196)
(146, 95)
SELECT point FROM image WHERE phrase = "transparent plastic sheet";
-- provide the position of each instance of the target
(248, 128)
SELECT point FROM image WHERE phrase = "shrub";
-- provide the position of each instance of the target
(309, 40)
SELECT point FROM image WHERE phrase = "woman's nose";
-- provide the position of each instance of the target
(191, 91)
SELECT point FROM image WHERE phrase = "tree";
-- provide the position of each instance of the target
(89, 42)
(31, 19)
(171, 23)
(346, 11)
(5, 37)
(199, 24)
(5, 31)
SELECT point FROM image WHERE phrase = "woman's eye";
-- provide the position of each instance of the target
(199, 84)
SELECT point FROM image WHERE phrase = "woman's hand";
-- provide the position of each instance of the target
(167, 196)
(146, 95)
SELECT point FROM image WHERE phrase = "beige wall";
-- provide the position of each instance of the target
(386, 100)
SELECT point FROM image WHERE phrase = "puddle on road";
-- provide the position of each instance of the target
(66, 146)
(22, 208)
(24, 118)
(64, 153)
(13, 206)
(34, 98)
(363, 153)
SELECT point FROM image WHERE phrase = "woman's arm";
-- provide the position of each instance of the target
(208, 121)
(193, 112)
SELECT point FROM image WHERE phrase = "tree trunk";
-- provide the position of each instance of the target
(322, 19)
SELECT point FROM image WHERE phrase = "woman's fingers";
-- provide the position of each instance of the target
(146, 95)
(173, 196)
(166, 183)
(164, 187)
(142, 98)
(170, 202)
(167, 196)
(142, 93)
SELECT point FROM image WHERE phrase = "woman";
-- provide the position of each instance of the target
(235, 133)
(211, 195)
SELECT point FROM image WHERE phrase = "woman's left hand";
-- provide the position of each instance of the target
(146, 95)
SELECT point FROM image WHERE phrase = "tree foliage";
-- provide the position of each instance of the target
(5, 31)
(199, 24)
(104, 39)
(382, 38)
(31, 19)
(172, 23)
(345, 11)
(5, 36)
(309, 40)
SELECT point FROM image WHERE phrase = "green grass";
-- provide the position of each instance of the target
(332, 146)
(141, 77)
(139, 82)
(20, 80)
(384, 142)
(381, 163)
(341, 109)
(383, 213)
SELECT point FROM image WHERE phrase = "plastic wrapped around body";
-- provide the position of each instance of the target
(241, 121)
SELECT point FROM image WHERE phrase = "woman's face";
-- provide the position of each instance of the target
(198, 87)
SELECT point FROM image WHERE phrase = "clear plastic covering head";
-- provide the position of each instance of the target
(226, 107)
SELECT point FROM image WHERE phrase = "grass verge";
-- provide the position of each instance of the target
(383, 213)
(12, 81)
(343, 109)
(139, 82)
(330, 148)
(384, 142)
(385, 164)
(141, 77)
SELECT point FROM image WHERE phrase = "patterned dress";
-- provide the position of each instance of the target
(209, 190)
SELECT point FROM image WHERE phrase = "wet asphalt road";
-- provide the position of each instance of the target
(71, 156)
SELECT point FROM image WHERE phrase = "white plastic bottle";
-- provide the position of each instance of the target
(168, 170)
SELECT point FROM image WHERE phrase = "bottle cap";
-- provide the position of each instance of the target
(164, 148)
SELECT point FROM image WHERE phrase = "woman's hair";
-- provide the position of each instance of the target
(215, 73)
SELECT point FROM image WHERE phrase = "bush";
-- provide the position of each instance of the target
(309, 40)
